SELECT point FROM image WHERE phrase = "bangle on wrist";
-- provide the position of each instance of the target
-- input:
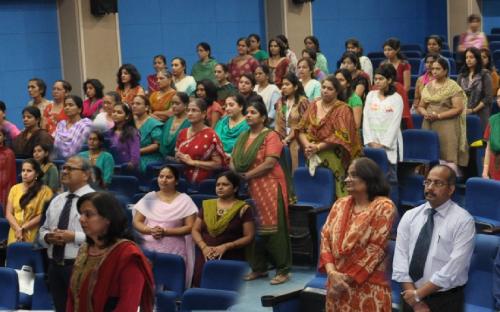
(417, 298)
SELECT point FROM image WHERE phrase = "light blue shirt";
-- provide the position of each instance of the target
(450, 251)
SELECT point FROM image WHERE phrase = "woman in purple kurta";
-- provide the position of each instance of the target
(124, 137)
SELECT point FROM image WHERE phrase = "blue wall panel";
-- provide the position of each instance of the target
(29, 48)
(491, 15)
(372, 22)
(174, 27)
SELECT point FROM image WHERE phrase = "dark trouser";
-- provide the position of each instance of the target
(450, 301)
(59, 276)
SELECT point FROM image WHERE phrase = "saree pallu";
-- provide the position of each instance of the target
(161, 101)
(337, 128)
(128, 96)
(227, 135)
(168, 137)
(150, 132)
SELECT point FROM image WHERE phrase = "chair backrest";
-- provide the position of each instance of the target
(182, 185)
(415, 64)
(199, 198)
(379, 156)
(493, 38)
(4, 229)
(169, 271)
(41, 299)
(474, 132)
(202, 299)
(375, 55)
(21, 253)
(9, 284)
(411, 47)
(483, 198)
(447, 53)
(415, 139)
(223, 274)
(453, 66)
(495, 30)
(376, 61)
(207, 187)
(319, 189)
(495, 45)
(411, 190)
(482, 272)
(417, 121)
(124, 184)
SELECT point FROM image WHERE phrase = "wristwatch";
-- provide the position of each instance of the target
(417, 298)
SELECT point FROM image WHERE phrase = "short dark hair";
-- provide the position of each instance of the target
(33, 111)
(210, 90)
(395, 44)
(314, 40)
(116, 97)
(200, 103)
(452, 176)
(172, 169)
(233, 178)
(249, 76)
(311, 53)
(100, 136)
(75, 98)
(259, 105)
(473, 18)
(41, 85)
(355, 42)
(111, 209)
(98, 86)
(353, 57)
(247, 42)
(374, 178)
(3, 108)
(444, 63)
(240, 100)
(135, 76)
(256, 37)
(183, 96)
(389, 72)
(284, 39)
(48, 148)
(161, 57)
(336, 84)
(437, 38)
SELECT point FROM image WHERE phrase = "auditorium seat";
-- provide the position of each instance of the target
(413, 54)
(10, 289)
(375, 55)
(379, 156)
(482, 201)
(199, 198)
(417, 121)
(4, 229)
(495, 30)
(22, 253)
(411, 191)
(126, 185)
(415, 64)
(410, 47)
(41, 300)
(414, 140)
(207, 187)
(201, 299)
(169, 272)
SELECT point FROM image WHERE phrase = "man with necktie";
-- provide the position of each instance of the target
(61, 232)
(434, 246)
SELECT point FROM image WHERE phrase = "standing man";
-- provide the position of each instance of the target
(61, 232)
(433, 248)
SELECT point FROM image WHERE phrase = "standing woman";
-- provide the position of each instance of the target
(199, 147)
(165, 218)
(10, 129)
(305, 71)
(491, 164)
(183, 83)
(290, 55)
(360, 80)
(54, 111)
(73, 132)
(255, 158)
(32, 134)
(309, 53)
(476, 82)
(149, 131)
(174, 125)
(224, 226)
(93, 89)
(98, 157)
(289, 110)
(224, 87)
(37, 90)
(104, 120)
(487, 62)
(392, 51)
(243, 63)
(354, 242)
(442, 106)
(161, 100)
(278, 62)
(327, 133)
(353, 45)
(25, 203)
(434, 46)
(246, 86)
(313, 43)
(124, 137)
(424, 79)
(382, 120)
(41, 154)
(128, 79)
(207, 91)
(204, 68)
(110, 272)
(254, 48)
(159, 65)
(269, 92)
(233, 124)
(8, 174)
(350, 97)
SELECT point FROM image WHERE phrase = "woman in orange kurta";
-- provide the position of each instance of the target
(161, 99)
(353, 242)
(255, 157)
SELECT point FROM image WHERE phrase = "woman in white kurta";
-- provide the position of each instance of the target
(382, 119)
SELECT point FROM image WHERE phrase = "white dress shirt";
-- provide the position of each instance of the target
(52, 219)
(450, 251)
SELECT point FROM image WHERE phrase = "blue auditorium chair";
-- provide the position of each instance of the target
(201, 299)
(169, 272)
(411, 94)
(9, 284)
(376, 61)
(482, 201)
(41, 300)
(474, 132)
(376, 55)
(395, 286)
(495, 45)
(493, 38)
(495, 30)
(199, 198)
(415, 65)
(223, 275)
(411, 191)
(4, 229)
(379, 156)
(207, 186)
(417, 121)
(447, 53)
(22, 253)
(453, 67)
(126, 185)
(317, 191)
(414, 140)
(410, 47)
(166, 302)
(413, 54)
(478, 291)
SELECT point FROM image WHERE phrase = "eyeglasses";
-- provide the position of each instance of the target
(69, 168)
(436, 183)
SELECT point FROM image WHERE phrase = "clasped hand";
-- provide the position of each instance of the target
(215, 252)
(310, 149)
(157, 232)
(339, 283)
(60, 237)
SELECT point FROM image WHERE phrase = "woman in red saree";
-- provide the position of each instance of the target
(199, 147)
(354, 240)
(110, 271)
(7, 169)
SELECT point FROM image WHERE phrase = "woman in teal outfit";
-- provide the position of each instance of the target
(150, 130)
(174, 124)
(98, 157)
(233, 124)
(204, 68)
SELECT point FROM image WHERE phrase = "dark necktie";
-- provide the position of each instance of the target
(421, 250)
(58, 251)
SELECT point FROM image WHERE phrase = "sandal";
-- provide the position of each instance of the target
(280, 279)
(255, 275)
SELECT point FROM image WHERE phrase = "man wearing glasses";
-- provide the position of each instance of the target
(434, 246)
(61, 231)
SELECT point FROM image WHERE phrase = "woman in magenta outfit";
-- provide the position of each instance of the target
(392, 51)
(93, 103)
(124, 137)
(243, 63)
(159, 64)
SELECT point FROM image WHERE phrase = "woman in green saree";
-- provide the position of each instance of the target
(174, 125)
(256, 158)
(233, 124)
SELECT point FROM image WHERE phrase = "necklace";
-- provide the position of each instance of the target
(325, 111)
